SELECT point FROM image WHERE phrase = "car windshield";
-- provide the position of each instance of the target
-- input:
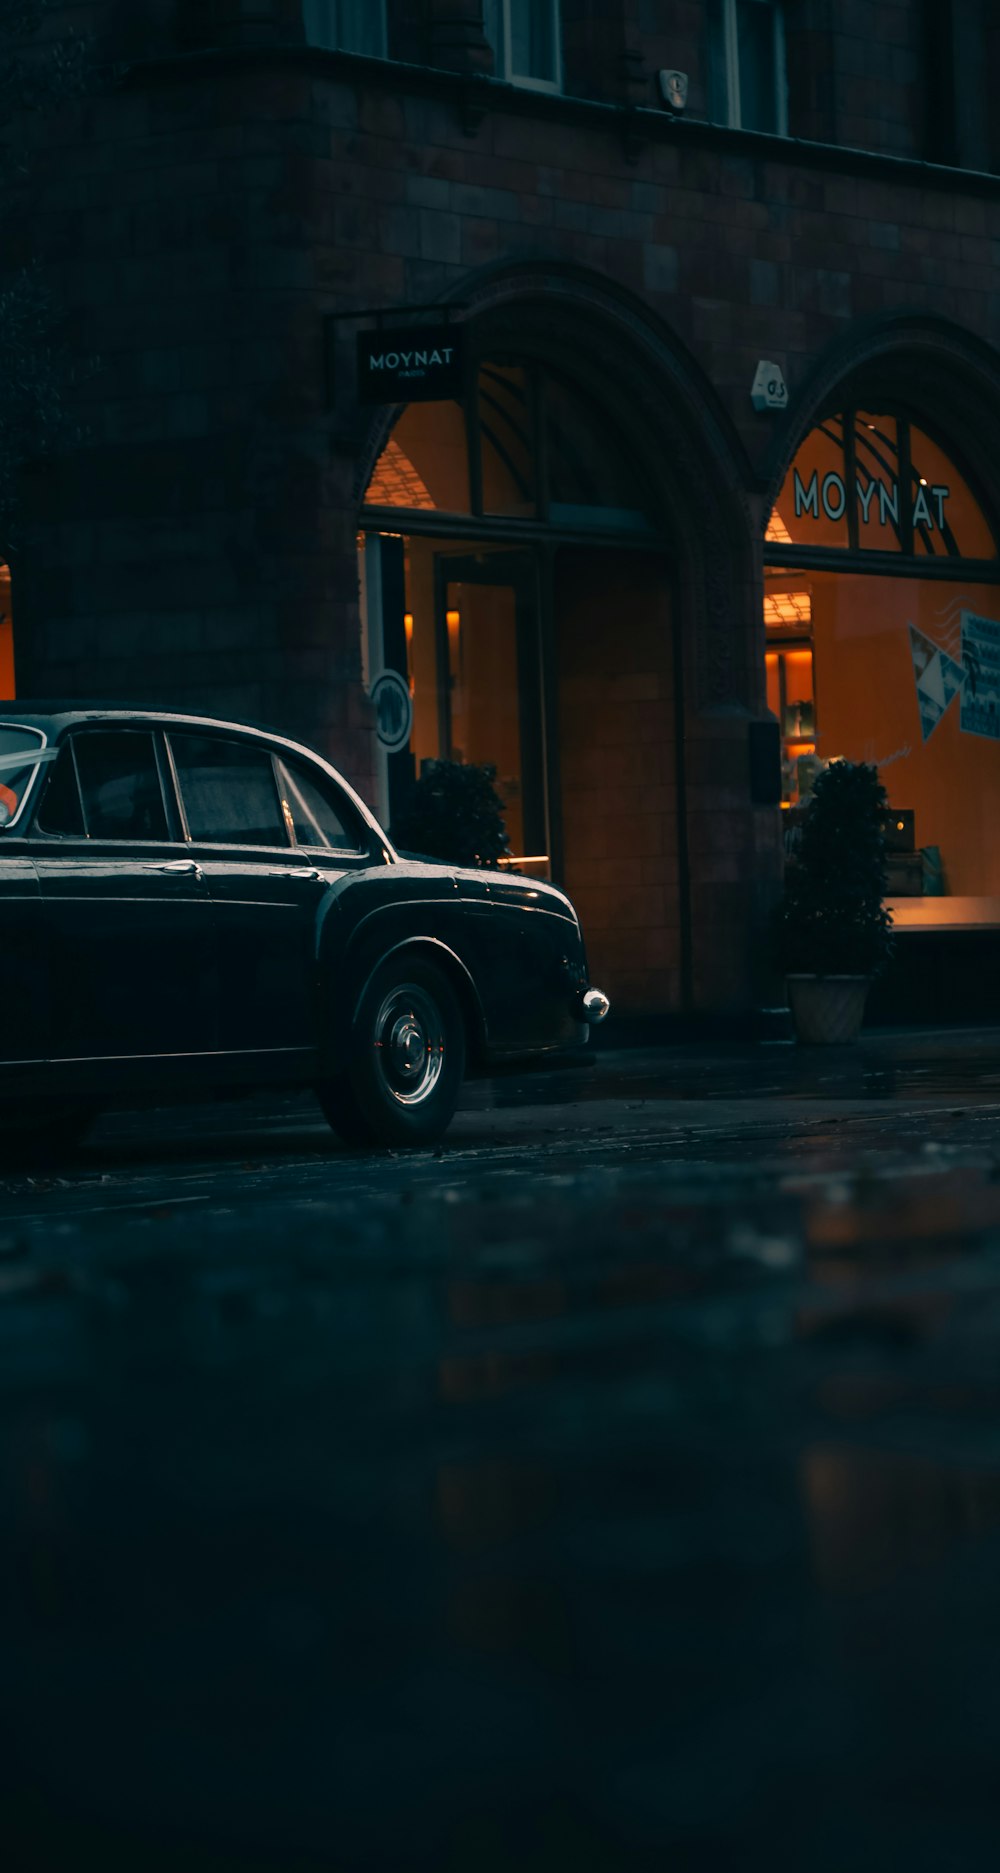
(20, 749)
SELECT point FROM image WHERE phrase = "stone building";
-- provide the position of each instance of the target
(619, 373)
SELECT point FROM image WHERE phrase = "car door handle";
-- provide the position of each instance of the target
(310, 872)
(185, 866)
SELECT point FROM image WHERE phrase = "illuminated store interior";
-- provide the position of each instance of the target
(512, 569)
(882, 616)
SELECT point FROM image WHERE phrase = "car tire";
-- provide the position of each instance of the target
(407, 1060)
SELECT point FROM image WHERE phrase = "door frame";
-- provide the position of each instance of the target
(517, 569)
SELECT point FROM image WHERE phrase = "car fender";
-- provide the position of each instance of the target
(366, 955)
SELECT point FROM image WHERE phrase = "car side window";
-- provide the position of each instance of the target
(61, 810)
(228, 791)
(317, 813)
(114, 793)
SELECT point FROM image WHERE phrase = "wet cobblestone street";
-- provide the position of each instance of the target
(617, 1488)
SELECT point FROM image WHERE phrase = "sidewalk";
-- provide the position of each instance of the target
(892, 1066)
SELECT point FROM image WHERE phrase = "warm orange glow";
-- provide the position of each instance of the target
(787, 608)
(396, 482)
(453, 620)
(798, 656)
(776, 529)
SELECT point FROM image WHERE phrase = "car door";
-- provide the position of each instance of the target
(25, 1023)
(127, 912)
(240, 810)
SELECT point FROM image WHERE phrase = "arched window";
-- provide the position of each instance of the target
(531, 449)
(882, 616)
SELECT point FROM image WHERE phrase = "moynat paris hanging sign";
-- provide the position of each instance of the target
(422, 364)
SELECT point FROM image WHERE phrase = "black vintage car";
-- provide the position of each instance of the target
(188, 904)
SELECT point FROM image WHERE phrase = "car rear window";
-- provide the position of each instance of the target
(318, 814)
(19, 752)
(228, 792)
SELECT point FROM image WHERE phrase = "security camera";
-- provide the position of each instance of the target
(674, 89)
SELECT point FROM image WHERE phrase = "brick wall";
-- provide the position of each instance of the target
(618, 760)
(198, 222)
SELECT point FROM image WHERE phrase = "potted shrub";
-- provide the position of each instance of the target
(833, 933)
(453, 814)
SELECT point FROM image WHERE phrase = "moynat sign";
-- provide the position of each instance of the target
(423, 364)
(877, 500)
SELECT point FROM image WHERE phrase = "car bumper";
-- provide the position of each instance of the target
(592, 1007)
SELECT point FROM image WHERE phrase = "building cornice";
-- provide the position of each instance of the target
(475, 96)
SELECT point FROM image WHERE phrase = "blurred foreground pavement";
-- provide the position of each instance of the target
(618, 1488)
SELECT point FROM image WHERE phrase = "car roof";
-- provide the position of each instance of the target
(52, 717)
(43, 712)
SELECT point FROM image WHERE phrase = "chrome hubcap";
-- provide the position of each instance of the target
(409, 1044)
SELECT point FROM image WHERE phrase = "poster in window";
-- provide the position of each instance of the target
(938, 678)
(981, 689)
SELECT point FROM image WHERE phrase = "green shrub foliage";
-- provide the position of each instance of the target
(831, 920)
(455, 814)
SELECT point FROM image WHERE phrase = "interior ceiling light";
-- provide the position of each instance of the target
(776, 529)
(395, 482)
(787, 608)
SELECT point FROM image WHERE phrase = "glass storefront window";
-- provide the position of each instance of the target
(905, 674)
(877, 468)
(958, 527)
(590, 471)
(425, 462)
(874, 482)
(540, 452)
(507, 440)
(897, 668)
(456, 609)
(813, 503)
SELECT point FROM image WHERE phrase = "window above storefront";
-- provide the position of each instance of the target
(747, 84)
(524, 35)
(346, 25)
(871, 482)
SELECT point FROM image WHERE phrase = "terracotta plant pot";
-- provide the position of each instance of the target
(827, 1010)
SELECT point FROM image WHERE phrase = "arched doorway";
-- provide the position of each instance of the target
(516, 574)
(882, 615)
(6, 635)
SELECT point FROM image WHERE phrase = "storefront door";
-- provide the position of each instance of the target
(490, 685)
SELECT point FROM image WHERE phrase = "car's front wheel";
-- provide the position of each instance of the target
(407, 1059)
